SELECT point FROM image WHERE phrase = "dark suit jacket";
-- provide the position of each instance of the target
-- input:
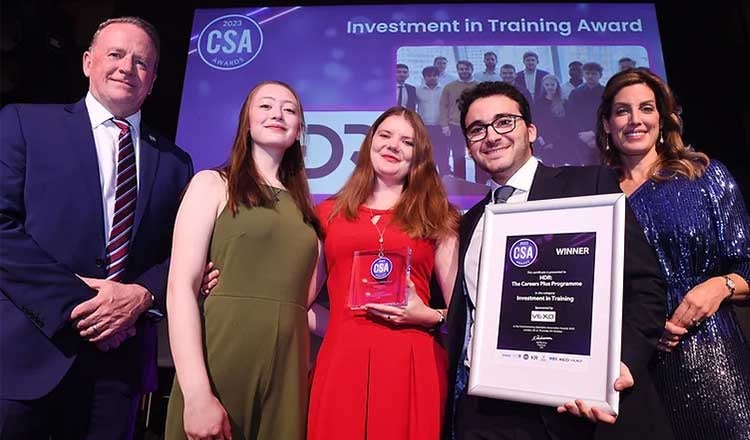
(52, 227)
(411, 96)
(644, 311)
(520, 84)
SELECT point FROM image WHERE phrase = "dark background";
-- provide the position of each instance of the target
(704, 43)
(42, 42)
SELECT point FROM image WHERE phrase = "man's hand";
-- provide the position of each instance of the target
(580, 409)
(210, 279)
(115, 340)
(671, 336)
(115, 308)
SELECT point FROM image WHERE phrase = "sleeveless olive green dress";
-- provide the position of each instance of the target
(255, 337)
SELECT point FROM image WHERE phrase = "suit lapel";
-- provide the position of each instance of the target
(148, 163)
(83, 150)
(545, 185)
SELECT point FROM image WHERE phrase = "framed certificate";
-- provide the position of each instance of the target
(549, 302)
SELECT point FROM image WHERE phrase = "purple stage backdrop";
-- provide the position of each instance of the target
(341, 60)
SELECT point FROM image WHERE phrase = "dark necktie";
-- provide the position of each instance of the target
(400, 94)
(502, 194)
(126, 190)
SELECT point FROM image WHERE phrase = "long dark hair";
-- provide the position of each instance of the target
(243, 180)
(674, 156)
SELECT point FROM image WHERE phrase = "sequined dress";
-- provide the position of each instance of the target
(700, 229)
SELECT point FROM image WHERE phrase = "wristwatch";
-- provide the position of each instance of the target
(730, 286)
(153, 314)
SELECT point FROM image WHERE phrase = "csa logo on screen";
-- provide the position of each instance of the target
(230, 42)
(523, 252)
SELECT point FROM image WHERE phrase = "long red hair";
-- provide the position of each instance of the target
(244, 181)
(423, 210)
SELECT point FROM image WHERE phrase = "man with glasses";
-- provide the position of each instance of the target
(496, 121)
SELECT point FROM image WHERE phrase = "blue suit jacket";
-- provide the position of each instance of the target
(52, 227)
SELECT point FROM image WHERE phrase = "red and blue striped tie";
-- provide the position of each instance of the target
(126, 190)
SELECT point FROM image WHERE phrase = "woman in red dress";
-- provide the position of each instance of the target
(381, 373)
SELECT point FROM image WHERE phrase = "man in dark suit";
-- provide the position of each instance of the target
(406, 94)
(88, 200)
(496, 121)
(529, 80)
(581, 108)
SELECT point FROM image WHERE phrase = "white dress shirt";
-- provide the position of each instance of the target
(521, 181)
(106, 135)
(488, 76)
(530, 79)
(428, 104)
(445, 78)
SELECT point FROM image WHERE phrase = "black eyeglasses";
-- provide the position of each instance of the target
(501, 124)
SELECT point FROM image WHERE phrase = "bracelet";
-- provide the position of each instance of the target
(442, 318)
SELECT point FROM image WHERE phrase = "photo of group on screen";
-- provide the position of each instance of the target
(563, 84)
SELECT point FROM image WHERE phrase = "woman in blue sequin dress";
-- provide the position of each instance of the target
(694, 216)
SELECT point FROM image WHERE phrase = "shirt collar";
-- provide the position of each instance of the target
(523, 178)
(98, 114)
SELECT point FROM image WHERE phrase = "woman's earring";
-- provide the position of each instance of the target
(606, 142)
(661, 137)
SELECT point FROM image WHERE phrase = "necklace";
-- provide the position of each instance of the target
(380, 233)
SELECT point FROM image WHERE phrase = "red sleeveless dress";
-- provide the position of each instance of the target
(373, 380)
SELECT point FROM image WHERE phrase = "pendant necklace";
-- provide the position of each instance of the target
(381, 267)
(380, 233)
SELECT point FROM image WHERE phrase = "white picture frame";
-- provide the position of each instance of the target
(502, 364)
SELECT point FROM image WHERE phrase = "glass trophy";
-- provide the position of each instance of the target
(379, 277)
